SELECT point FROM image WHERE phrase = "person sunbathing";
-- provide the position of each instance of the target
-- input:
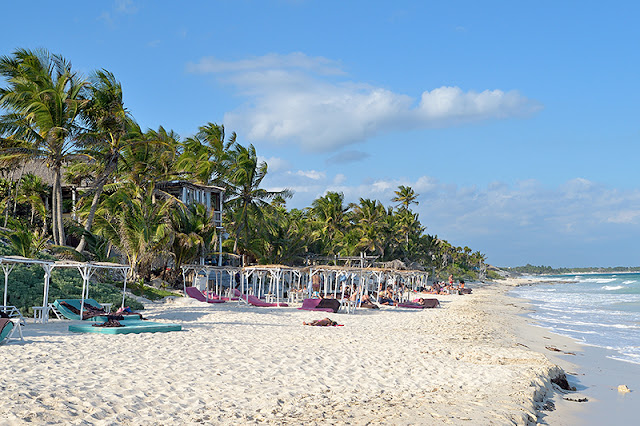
(386, 298)
(324, 322)
(428, 303)
(366, 302)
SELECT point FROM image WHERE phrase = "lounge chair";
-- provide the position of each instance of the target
(70, 309)
(253, 300)
(312, 305)
(416, 304)
(8, 329)
(213, 296)
(194, 293)
(67, 307)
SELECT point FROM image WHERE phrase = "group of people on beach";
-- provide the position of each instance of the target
(449, 287)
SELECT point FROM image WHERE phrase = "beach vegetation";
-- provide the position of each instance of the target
(42, 100)
(56, 118)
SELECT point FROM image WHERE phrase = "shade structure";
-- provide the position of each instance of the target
(86, 270)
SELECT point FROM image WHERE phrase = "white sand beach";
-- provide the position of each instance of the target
(475, 360)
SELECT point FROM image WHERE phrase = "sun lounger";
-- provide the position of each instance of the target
(70, 309)
(410, 305)
(63, 306)
(14, 313)
(213, 296)
(194, 293)
(253, 300)
(426, 303)
(8, 328)
(312, 305)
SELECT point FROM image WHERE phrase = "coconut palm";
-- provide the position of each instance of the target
(137, 225)
(371, 220)
(23, 241)
(194, 232)
(247, 201)
(329, 212)
(42, 100)
(405, 197)
(110, 130)
(33, 190)
(205, 156)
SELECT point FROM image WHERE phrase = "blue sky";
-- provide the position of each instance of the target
(517, 123)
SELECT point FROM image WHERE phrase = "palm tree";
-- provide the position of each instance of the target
(148, 160)
(205, 156)
(42, 102)
(194, 232)
(329, 212)
(111, 129)
(371, 220)
(23, 241)
(405, 196)
(33, 190)
(408, 224)
(282, 238)
(138, 225)
(247, 201)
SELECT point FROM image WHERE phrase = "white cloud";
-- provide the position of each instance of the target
(310, 174)
(126, 7)
(271, 61)
(519, 223)
(120, 7)
(451, 104)
(275, 164)
(308, 101)
(339, 179)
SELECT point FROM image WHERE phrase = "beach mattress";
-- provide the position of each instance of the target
(312, 305)
(130, 326)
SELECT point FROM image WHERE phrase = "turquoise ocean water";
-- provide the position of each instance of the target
(595, 309)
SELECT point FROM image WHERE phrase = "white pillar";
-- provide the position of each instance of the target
(7, 270)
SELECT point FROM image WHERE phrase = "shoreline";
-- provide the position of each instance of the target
(476, 360)
(596, 376)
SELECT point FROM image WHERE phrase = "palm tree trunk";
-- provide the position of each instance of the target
(54, 197)
(92, 214)
(15, 192)
(57, 212)
(111, 167)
